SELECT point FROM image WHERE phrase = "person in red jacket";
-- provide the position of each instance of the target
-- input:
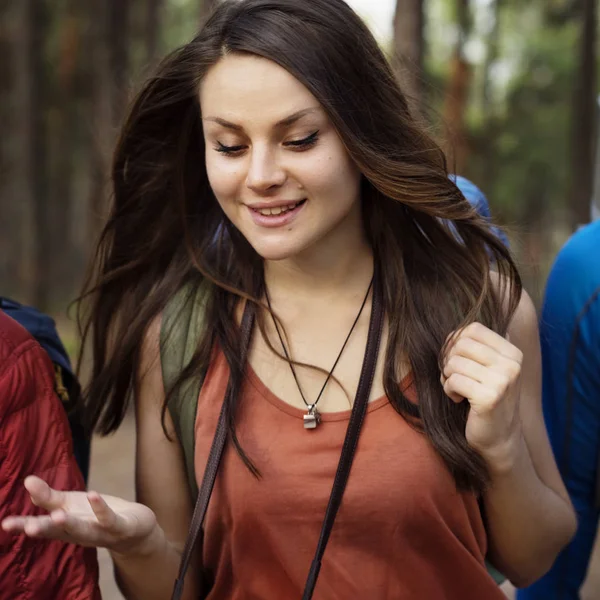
(35, 440)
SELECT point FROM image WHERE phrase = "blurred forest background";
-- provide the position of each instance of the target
(509, 86)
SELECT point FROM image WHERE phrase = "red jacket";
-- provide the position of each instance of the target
(35, 440)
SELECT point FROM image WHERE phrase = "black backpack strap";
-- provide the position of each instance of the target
(343, 471)
(212, 465)
(352, 434)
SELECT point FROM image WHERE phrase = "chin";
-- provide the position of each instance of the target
(277, 250)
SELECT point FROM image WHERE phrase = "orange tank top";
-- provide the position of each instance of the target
(403, 532)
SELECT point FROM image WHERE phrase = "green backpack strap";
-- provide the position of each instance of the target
(181, 328)
(496, 575)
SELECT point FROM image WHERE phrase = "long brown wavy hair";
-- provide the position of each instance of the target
(167, 230)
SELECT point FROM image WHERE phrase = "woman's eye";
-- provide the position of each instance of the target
(229, 150)
(305, 143)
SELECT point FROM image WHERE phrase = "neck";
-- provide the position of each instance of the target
(320, 274)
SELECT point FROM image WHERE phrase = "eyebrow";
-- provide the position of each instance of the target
(286, 122)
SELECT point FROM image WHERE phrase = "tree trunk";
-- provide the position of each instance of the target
(35, 31)
(455, 108)
(10, 211)
(154, 13)
(118, 45)
(457, 93)
(535, 245)
(492, 53)
(490, 118)
(584, 119)
(408, 49)
(64, 143)
(99, 86)
(109, 82)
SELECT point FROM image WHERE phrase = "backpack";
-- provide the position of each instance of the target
(67, 387)
(180, 332)
(181, 329)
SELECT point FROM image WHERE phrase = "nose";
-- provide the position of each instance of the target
(265, 172)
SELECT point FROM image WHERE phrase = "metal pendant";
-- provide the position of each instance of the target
(312, 418)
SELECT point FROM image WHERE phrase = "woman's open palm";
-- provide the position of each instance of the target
(85, 518)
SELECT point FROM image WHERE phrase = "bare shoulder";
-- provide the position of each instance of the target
(149, 388)
(150, 394)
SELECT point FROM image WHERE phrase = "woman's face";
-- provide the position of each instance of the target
(275, 163)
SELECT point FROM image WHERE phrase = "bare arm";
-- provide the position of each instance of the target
(161, 485)
(529, 515)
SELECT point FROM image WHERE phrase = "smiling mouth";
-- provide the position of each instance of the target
(277, 210)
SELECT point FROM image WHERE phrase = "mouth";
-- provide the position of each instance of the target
(276, 209)
(275, 214)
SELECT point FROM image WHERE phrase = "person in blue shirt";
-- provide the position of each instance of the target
(570, 338)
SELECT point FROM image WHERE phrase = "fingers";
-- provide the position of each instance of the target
(45, 526)
(84, 532)
(479, 366)
(76, 525)
(481, 386)
(499, 358)
(465, 366)
(43, 495)
(88, 531)
(487, 338)
(459, 387)
(60, 525)
(49, 526)
(483, 363)
(474, 350)
(13, 524)
(107, 518)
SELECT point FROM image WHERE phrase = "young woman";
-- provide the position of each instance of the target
(273, 161)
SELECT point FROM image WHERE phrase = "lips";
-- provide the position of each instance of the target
(274, 210)
(275, 214)
(275, 205)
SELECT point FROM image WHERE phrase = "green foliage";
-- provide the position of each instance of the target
(520, 139)
(518, 116)
(182, 20)
(530, 129)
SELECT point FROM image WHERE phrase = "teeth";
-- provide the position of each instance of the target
(267, 212)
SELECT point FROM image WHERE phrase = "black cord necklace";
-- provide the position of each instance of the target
(312, 418)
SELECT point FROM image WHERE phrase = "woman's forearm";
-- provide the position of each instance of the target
(528, 522)
(149, 573)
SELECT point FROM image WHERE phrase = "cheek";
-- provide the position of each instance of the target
(223, 179)
(337, 177)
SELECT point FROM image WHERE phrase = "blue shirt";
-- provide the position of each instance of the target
(570, 338)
